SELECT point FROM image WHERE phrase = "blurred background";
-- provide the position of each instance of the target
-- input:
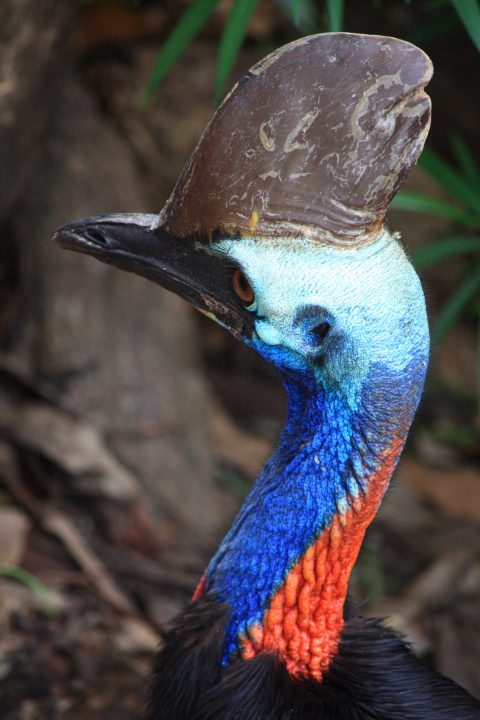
(131, 427)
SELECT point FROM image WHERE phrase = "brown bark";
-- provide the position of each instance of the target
(32, 34)
(121, 351)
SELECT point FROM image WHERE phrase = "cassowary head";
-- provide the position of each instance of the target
(275, 227)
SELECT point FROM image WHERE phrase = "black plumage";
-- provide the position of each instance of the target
(375, 676)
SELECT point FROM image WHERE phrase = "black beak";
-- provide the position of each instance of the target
(137, 243)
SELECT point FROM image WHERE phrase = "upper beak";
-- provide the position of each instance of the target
(136, 243)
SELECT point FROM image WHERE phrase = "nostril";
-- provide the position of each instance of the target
(320, 332)
(96, 237)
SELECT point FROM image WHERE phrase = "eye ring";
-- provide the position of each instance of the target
(242, 287)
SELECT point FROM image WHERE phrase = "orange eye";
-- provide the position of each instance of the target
(242, 287)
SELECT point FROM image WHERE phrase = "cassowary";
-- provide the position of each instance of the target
(275, 230)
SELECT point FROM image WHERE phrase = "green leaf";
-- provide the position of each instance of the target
(449, 179)
(455, 306)
(294, 8)
(416, 202)
(30, 581)
(465, 161)
(232, 38)
(335, 15)
(182, 34)
(303, 14)
(438, 251)
(469, 13)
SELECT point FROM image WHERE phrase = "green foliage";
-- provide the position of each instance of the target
(456, 305)
(469, 13)
(444, 249)
(302, 13)
(416, 202)
(463, 184)
(464, 160)
(22, 576)
(462, 188)
(181, 36)
(231, 41)
(335, 10)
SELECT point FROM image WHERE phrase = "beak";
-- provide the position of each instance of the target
(136, 243)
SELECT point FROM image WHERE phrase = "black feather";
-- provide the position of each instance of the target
(374, 677)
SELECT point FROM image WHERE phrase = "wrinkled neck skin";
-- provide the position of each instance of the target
(284, 566)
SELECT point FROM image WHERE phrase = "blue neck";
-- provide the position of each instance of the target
(326, 456)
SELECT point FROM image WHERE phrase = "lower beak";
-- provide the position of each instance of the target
(137, 244)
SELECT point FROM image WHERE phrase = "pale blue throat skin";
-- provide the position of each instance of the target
(347, 329)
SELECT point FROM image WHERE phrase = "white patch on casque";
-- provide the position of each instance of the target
(372, 292)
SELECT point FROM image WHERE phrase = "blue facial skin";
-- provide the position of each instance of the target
(353, 363)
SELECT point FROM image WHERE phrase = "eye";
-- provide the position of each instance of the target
(320, 332)
(242, 287)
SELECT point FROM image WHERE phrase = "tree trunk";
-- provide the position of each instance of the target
(121, 350)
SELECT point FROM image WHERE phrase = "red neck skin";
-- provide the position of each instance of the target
(305, 619)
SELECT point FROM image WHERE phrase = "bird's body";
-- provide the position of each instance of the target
(288, 251)
(373, 676)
